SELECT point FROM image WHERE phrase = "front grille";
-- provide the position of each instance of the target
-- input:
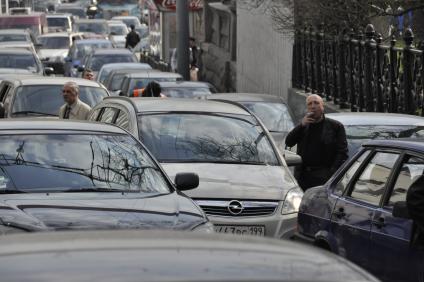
(249, 208)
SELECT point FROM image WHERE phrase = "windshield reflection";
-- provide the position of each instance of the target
(275, 116)
(58, 163)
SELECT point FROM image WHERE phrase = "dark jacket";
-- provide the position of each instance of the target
(415, 205)
(132, 39)
(334, 138)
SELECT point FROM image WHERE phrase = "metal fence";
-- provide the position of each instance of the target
(155, 64)
(358, 71)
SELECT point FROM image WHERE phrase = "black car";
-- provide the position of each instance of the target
(64, 175)
(42, 96)
(272, 110)
(358, 212)
(168, 257)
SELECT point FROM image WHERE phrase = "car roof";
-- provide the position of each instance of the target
(19, 51)
(13, 31)
(55, 34)
(111, 51)
(62, 15)
(246, 97)
(47, 80)
(124, 17)
(368, 118)
(184, 84)
(153, 74)
(90, 21)
(55, 124)
(145, 105)
(269, 259)
(416, 144)
(118, 66)
(92, 41)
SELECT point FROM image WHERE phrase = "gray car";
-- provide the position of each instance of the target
(134, 82)
(187, 89)
(245, 185)
(167, 256)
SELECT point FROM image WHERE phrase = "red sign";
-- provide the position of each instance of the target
(171, 5)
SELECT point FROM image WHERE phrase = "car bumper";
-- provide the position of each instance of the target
(276, 226)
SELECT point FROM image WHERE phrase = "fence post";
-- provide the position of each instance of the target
(352, 94)
(361, 71)
(379, 81)
(305, 59)
(342, 69)
(369, 99)
(312, 58)
(319, 41)
(295, 61)
(326, 68)
(393, 105)
(335, 94)
(407, 72)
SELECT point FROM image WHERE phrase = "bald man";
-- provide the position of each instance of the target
(73, 108)
(321, 142)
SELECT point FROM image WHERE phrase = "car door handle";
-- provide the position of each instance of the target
(380, 223)
(340, 213)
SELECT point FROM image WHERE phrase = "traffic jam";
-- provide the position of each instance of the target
(113, 168)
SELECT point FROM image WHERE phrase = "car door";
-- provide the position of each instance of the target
(390, 236)
(354, 211)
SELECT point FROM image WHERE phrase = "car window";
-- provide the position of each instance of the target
(95, 114)
(347, 177)
(122, 120)
(412, 168)
(59, 42)
(17, 61)
(98, 61)
(370, 185)
(4, 90)
(108, 115)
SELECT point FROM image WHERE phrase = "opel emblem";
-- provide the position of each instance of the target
(235, 207)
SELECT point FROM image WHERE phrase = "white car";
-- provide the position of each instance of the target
(59, 22)
(118, 33)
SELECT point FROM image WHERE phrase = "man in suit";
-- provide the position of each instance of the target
(73, 108)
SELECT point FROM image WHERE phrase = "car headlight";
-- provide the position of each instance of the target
(292, 201)
(204, 228)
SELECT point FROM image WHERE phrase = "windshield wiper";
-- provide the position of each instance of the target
(33, 112)
(84, 190)
(12, 191)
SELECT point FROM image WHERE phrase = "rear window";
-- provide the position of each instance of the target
(100, 60)
(13, 37)
(18, 61)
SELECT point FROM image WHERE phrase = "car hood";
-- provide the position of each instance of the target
(50, 53)
(15, 71)
(79, 211)
(232, 181)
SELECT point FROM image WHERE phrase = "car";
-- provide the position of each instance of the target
(37, 96)
(245, 185)
(354, 213)
(77, 11)
(54, 49)
(25, 60)
(7, 35)
(272, 110)
(19, 45)
(99, 57)
(114, 80)
(132, 255)
(59, 22)
(68, 175)
(128, 20)
(118, 33)
(98, 26)
(134, 82)
(108, 68)
(79, 50)
(364, 126)
(187, 89)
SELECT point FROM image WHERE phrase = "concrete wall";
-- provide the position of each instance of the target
(264, 56)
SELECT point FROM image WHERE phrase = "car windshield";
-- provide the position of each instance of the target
(17, 61)
(98, 28)
(142, 31)
(83, 49)
(116, 82)
(77, 162)
(188, 92)
(76, 12)
(214, 138)
(58, 22)
(275, 116)
(140, 83)
(60, 42)
(358, 134)
(118, 29)
(98, 61)
(47, 99)
(13, 37)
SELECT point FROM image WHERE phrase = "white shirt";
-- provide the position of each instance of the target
(79, 110)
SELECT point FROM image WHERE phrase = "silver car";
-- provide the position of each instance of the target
(245, 185)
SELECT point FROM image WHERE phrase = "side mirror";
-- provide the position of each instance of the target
(81, 68)
(48, 71)
(292, 159)
(68, 59)
(2, 110)
(186, 181)
(400, 210)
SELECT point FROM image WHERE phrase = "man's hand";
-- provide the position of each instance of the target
(307, 119)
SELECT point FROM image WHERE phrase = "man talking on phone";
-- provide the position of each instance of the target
(321, 142)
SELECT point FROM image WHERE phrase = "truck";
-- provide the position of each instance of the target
(110, 8)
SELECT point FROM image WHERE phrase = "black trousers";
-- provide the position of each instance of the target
(308, 178)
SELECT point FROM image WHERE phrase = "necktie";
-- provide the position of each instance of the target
(67, 112)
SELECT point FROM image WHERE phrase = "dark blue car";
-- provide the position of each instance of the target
(352, 214)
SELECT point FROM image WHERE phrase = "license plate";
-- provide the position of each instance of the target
(241, 230)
